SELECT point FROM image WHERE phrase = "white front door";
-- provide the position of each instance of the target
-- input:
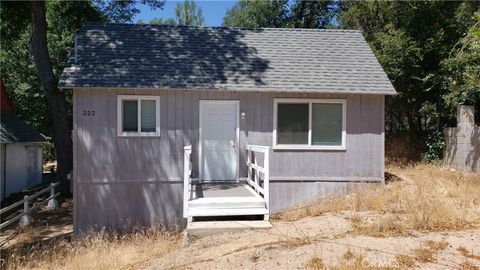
(219, 140)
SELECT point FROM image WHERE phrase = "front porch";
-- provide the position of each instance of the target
(245, 199)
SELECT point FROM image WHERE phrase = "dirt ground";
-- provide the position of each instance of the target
(47, 225)
(291, 245)
(378, 231)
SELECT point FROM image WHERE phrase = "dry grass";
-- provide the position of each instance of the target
(355, 261)
(437, 246)
(315, 263)
(433, 199)
(466, 265)
(467, 254)
(405, 261)
(424, 255)
(384, 227)
(97, 251)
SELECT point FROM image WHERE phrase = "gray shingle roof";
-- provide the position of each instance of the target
(14, 130)
(267, 59)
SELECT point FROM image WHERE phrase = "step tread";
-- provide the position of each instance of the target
(225, 200)
(240, 224)
(205, 212)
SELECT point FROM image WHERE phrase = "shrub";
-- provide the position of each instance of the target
(435, 146)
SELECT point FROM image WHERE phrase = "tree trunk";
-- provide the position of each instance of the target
(61, 131)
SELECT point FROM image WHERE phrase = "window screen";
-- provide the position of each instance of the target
(292, 123)
(130, 115)
(148, 116)
(327, 124)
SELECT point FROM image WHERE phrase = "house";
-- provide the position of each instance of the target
(179, 123)
(20, 151)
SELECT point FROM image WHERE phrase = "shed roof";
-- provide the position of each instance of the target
(14, 130)
(266, 59)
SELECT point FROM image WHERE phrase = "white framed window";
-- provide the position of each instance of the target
(309, 124)
(138, 115)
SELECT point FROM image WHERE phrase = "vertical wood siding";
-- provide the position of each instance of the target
(121, 177)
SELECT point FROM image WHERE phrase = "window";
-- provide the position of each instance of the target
(138, 116)
(309, 124)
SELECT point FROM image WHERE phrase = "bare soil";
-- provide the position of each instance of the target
(291, 245)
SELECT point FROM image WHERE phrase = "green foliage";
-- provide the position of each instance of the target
(161, 21)
(411, 41)
(282, 13)
(63, 19)
(257, 13)
(189, 14)
(48, 150)
(18, 70)
(435, 146)
(463, 69)
(186, 13)
(123, 10)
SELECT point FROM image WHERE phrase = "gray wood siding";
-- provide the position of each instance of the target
(112, 171)
(102, 156)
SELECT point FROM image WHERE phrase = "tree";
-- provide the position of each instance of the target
(410, 40)
(463, 69)
(44, 32)
(189, 14)
(161, 21)
(282, 13)
(257, 13)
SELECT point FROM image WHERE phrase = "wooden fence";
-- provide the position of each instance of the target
(25, 216)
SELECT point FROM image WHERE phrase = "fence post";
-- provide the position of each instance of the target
(52, 203)
(26, 219)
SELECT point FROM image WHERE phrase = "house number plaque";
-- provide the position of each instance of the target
(88, 113)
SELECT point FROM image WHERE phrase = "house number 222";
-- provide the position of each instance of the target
(88, 113)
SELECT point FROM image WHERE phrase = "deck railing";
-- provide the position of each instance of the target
(187, 172)
(25, 216)
(254, 169)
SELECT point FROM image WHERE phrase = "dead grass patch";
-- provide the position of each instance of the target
(431, 197)
(467, 254)
(315, 263)
(424, 255)
(355, 261)
(385, 227)
(100, 250)
(405, 261)
(437, 246)
(466, 265)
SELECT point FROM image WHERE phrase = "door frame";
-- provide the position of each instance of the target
(237, 134)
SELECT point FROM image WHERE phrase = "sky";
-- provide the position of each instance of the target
(212, 10)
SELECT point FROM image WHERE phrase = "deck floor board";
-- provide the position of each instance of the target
(213, 190)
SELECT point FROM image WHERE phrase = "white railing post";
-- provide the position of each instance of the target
(52, 203)
(26, 219)
(253, 178)
(249, 167)
(186, 178)
(266, 181)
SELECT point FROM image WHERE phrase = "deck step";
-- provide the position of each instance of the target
(226, 211)
(227, 203)
(212, 227)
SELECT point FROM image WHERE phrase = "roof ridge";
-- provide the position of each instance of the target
(226, 27)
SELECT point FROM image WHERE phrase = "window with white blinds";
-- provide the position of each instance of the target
(309, 124)
(138, 115)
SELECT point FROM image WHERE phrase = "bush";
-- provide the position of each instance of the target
(48, 150)
(435, 145)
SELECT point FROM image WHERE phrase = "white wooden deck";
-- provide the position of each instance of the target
(225, 199)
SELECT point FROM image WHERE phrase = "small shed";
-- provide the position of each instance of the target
(20, 151)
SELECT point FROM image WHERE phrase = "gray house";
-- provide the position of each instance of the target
(184, 123)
